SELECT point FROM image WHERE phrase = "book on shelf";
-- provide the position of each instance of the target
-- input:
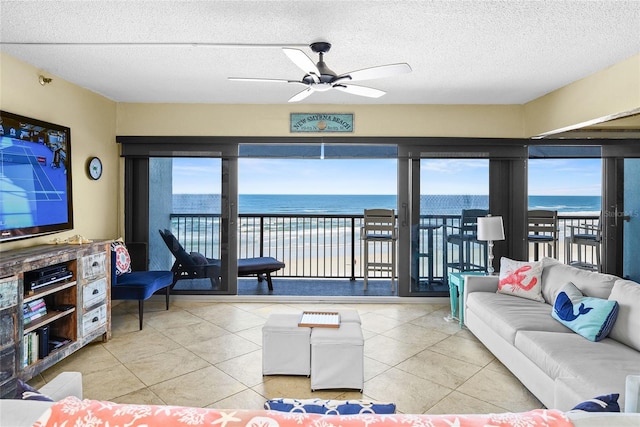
(28, 318)
(30, 345)
(33, 310)
(35, 304)
(43, 341)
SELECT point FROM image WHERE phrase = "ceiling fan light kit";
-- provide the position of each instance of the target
(320, 78)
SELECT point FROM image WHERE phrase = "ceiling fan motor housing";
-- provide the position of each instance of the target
(320, 47)
(327, 75)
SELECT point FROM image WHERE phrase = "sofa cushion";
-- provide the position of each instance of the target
(601, 368)
(627, 326)
(20, 413)
(555, 275)
(140, 285)
(590, 317)
(521, 279)
(506, 314)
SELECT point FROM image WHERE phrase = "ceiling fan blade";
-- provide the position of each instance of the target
(257, 79)
(303, 62)
(301, 95)
(360, 90)
(376, 72)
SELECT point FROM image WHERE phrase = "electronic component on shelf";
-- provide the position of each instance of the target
(43, 277)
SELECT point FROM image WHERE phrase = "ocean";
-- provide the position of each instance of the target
(355, 204)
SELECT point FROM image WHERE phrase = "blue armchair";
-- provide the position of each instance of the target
(138, 285)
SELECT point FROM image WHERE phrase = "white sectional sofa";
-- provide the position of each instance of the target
(560, 367)
(24, 413)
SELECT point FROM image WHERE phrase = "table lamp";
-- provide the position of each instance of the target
(490, 228)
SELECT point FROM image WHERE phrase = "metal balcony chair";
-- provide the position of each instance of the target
(464, 236)
(379, 228)
(586, 235)
(543, 229)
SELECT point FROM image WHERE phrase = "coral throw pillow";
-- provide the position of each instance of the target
(72, 411)
(521, 279)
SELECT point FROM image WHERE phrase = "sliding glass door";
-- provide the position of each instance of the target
(303, 204)
(631, 220)
(185, 199)
(447, 199)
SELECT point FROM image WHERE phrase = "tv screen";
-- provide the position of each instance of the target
(35, 177)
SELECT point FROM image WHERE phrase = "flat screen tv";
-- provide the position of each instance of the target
(35, 177)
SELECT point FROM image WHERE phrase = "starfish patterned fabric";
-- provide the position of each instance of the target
(72, 411)
(521, 279)
(330, 407)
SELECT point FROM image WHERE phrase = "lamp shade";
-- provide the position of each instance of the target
(490, 228)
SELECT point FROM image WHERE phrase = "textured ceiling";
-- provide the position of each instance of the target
(461, 52)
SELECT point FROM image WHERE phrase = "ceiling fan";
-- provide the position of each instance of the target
(320, 78)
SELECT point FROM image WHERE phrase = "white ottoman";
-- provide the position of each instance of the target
(337, 357)
(285, 346)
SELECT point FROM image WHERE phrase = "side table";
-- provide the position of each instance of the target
(456, 287)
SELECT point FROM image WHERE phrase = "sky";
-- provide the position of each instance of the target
(379, 176)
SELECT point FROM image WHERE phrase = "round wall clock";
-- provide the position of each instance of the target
(95, 168)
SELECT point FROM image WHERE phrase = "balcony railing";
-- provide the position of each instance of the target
(327, 246)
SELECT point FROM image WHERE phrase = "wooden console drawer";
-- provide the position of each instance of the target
(8, 292)
(94, 265)
(94, 293)
(93, 319)
(7, 328)
(7, 364)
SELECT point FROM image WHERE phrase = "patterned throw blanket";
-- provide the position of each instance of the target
(73, 412)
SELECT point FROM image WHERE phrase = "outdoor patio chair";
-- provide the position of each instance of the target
(379, 227)
(194, 265)
(585, 235)
(463, 236)
(543, 229)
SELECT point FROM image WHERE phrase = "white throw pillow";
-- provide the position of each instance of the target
(521, 279)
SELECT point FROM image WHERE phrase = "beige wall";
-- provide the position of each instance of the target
(95, 120)
(499, 121)
(92, 119)
(595, 98)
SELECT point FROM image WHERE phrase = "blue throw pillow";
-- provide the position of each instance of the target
(25, 392)
(606, 403)
(329, 407)
(593, 318)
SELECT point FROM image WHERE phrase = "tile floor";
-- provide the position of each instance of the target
(208, 354)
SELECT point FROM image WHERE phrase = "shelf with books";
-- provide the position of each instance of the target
(49, 317)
